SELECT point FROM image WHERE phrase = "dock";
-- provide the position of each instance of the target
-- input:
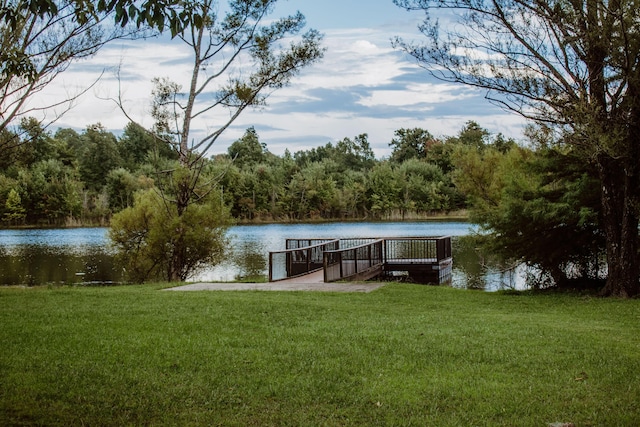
(421, 259)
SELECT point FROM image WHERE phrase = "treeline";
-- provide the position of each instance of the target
(71, 178)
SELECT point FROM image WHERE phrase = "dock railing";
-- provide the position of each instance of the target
(302, 256)
(369, 257)
(417, 250)
(424, 259)
(354, 263)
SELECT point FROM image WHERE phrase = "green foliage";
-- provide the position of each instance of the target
(89, 176)
(410, 144)
(121, 186)
(565, 66)
(472, 135)
(99, 155)
(15, 213)
(355, 154)
(150, 235)
(49, 192)
(540, 207)
(248, 150)
(138, 147)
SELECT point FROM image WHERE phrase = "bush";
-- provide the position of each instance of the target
(153, 242)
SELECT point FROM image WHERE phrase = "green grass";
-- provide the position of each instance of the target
(403, 355)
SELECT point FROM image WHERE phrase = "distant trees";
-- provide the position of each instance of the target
(69, 177)
(98, 175)
(337, 180)
(410, 144)
(248, 151)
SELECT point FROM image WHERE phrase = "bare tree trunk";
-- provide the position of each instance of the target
(620, 223)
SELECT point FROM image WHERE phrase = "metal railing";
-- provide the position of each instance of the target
(350, 262)
(359, 258)
(304, 243)
(299, 260)
(356, 241)
(418, 250)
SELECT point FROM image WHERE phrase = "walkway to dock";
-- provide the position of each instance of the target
(308, 282)
(343, 265)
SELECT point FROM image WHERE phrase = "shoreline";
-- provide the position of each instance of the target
(461, 216)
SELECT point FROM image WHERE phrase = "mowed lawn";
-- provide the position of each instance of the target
(402, 355)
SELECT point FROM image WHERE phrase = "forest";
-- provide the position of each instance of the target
(70, 178)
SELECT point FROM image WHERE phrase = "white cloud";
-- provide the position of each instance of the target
(361, 86)
(419, 96)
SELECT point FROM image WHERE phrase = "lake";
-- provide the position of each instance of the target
(83, 255)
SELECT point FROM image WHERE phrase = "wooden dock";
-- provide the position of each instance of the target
(422, 259)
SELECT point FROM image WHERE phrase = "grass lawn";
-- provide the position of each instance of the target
(402, 355)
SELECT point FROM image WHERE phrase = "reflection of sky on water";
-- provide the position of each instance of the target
(76, 241)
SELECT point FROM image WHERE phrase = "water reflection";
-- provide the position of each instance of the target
(251, 261)
(34, 265)
(32, 257)
(474, 268)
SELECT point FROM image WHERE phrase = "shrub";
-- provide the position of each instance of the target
(154, 242)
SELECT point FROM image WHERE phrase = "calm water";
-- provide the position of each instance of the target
(34, 257)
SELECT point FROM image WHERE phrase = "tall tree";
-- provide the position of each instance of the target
(36, 47)
(99, 156)
(355, 154)
(574, 65)
(410, 144)
(17, 61)
(248, 151)
(239, 58)
(137, 147)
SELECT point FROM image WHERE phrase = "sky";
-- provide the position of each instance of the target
(362, 85)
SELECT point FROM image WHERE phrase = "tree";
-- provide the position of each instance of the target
(14, 211)
(148, 237)
(548, 190)
(238, 59)
(50, 192)
(121, 186)
(570, 65)
(36, 47)
(248, 150)
(383, 190)
(137, 147)
(422, 187)
(410, 144)
(355, 154)
(19, 14)
(219, 43)
(99, 156)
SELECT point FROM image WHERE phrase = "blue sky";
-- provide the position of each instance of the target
(362, 85)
